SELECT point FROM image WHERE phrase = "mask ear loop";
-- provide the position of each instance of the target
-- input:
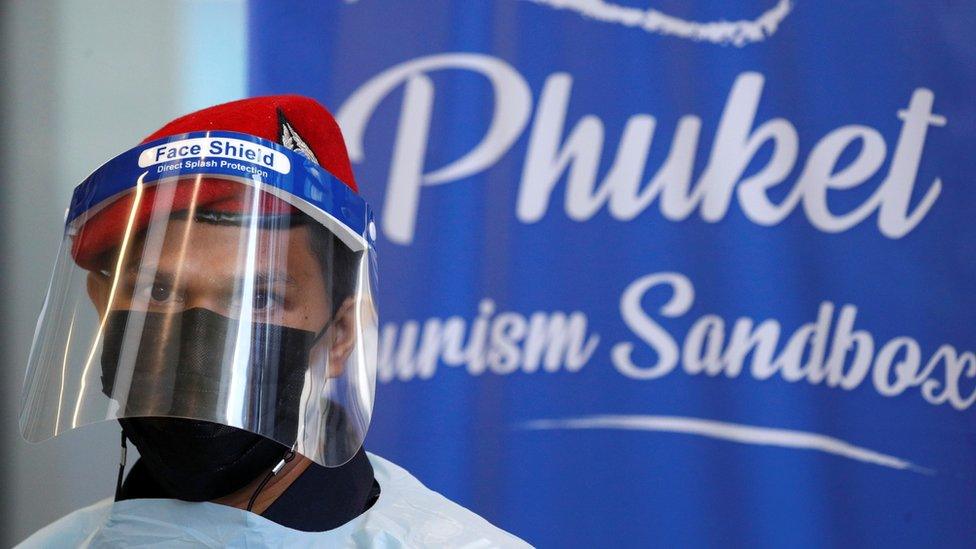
(318, 336)
(290, 455)
(118, 481)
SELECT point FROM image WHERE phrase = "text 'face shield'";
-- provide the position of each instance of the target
(217, 277)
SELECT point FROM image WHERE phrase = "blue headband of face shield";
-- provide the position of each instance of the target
(271, 167)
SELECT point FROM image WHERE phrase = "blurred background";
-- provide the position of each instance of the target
(685, 273)
(83, 81)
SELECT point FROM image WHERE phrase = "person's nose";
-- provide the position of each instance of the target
(205, 300)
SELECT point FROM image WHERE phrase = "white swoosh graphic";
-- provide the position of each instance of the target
(744, 434)
(738, 33)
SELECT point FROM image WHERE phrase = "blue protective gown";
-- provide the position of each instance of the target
(407, 514)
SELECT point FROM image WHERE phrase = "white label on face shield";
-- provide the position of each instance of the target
(216, 147)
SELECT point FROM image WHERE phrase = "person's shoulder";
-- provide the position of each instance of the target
(72, 529)
(409, 505)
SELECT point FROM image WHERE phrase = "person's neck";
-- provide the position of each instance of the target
(271, 491)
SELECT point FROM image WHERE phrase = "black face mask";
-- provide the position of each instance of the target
(178, 372)
(198, 460)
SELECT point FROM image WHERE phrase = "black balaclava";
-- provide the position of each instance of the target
(178, 373)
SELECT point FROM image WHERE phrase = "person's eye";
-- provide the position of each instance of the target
(260, 300)
(154, 292)
(160, 292)
(265, 299)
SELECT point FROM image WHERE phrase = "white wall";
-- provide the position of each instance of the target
(82, 81)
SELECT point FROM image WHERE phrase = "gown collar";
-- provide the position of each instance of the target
(320, 499)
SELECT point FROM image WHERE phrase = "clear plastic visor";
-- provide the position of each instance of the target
(246, 312)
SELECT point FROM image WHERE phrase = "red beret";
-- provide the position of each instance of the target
(298, 123)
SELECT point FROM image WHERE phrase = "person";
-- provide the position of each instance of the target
(215, 294)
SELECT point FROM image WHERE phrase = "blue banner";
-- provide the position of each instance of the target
(665, 273)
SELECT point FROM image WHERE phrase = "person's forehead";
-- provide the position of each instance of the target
(275, 235)
(224, 245)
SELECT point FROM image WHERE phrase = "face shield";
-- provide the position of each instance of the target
(212, 276)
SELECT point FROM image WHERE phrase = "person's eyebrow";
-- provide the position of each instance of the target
(147, 270)
(271, 278)
(260, 278)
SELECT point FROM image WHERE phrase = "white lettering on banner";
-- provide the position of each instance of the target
(738, 33)
(823, 352)
(896, 367)
(719, 31)
(513, 104)
(550, 156)
(502, 344)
